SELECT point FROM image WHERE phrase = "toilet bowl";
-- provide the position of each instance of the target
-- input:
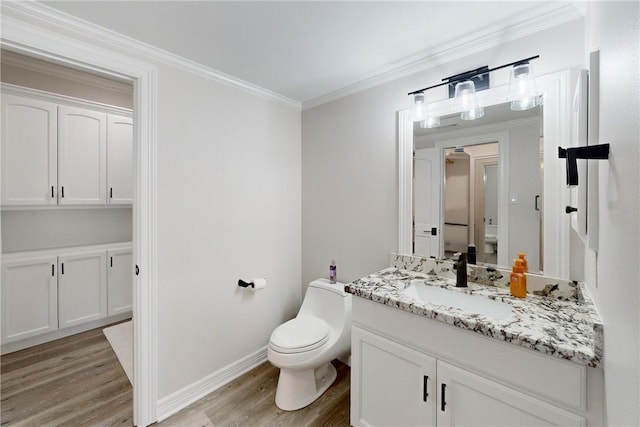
(304, 347)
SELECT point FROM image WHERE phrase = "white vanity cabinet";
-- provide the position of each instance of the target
(394, 385)
(82, 287)
(472, 380)
(29, 151)
(29, 297)
(82, 156)
(61, 151)
(119, 277)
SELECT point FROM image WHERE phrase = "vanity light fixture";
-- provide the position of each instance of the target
(468, 100)
(420, 112)
(522, 91)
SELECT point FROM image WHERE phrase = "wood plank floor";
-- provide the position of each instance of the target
(250, 401)
(78, 381)
(73, 381)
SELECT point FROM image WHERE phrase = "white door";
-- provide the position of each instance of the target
(29, 298)
(120, 159)
(391, 385)
(467, 399)
(82, 156)
(426, 194)
(29, 151)
(119, 281)
(82, 287)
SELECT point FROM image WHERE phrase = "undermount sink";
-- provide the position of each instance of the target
(472, 304)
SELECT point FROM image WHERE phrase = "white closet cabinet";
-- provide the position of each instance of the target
(395, 384)
(120, 159)
(56, 151)
(29, 151)
(82, 287)
(119, 281)
(29, 297)
(82, 156)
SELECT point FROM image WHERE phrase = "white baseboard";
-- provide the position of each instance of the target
(173, 403)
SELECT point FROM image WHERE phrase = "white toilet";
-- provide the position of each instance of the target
(304, 347)
(490, 239)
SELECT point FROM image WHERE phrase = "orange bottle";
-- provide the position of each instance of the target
(518, 280)
(521, 255)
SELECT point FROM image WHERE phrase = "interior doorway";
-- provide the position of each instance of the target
(43, 43)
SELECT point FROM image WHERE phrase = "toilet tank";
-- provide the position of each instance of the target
(328, 301)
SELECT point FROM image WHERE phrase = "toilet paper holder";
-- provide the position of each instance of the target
(244, 284)
(254, 285)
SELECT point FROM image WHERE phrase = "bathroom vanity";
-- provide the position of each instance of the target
(427, 353)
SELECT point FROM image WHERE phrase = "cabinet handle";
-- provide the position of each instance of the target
(425, 391)
(111, 192)
(62, 268)
(62, 191)
(443, 388)
(52, 196)
(137, 270)
(111, 261)
(53, 270)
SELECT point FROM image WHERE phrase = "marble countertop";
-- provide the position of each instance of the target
(568, 329)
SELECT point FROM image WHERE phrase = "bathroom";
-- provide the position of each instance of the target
(207, 235)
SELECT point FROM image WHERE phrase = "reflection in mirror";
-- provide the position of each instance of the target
(480, 183)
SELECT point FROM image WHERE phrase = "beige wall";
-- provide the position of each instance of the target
(33, 73)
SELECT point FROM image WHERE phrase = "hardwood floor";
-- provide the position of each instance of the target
(78, 381)
(74, 381)
(250, 401)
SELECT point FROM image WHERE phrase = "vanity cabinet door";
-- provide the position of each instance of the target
(82, 287)
(391, 385)
(468, 399)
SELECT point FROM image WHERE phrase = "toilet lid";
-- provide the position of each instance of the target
(301, 334)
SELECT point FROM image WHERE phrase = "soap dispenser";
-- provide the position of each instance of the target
(525, 265)
(518, 280)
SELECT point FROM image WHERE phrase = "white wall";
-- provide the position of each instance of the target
(613, 274)
(228, 207)
(26, 230)
(349, 156)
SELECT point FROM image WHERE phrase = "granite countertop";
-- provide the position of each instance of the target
(568, 328)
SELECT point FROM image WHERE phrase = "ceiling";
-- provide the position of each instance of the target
(304, 50)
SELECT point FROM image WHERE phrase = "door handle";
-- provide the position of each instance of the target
(425, 388)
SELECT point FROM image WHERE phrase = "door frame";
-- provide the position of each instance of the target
(40, 41)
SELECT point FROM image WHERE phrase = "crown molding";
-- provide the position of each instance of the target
(492, 37)
(48, 15)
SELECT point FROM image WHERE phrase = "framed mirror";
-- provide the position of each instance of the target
(454, 210)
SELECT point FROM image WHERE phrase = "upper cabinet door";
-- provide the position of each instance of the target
(29, 153)
(119, 159)
(82, 156)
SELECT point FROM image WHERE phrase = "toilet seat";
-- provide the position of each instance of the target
(304, 333)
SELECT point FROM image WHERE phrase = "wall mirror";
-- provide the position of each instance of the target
(495, 182)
